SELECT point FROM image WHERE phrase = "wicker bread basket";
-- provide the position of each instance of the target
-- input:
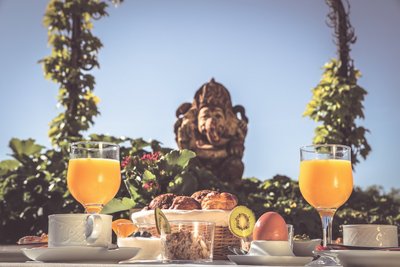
(222, 236)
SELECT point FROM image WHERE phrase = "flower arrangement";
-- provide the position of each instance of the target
(150, 172)
(154, 173)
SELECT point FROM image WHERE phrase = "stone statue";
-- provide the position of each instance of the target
(211, 127)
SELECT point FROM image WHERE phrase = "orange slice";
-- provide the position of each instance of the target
(124, 227)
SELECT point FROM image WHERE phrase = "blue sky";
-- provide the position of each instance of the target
(268, 53)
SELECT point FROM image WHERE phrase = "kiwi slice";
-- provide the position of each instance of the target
(162, 223)
(241, 221)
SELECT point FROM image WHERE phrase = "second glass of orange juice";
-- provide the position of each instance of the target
(326, 181)
(94, 175)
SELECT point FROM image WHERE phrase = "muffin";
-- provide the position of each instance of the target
(185, 203)
(163, 201)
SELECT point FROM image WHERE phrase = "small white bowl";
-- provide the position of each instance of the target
(150, 247)
(370, 235)
(305, 247)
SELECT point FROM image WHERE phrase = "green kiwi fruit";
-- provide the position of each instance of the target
(241, 221)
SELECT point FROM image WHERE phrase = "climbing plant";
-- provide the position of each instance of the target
(337, 99)
(74, 54)
(32, 183)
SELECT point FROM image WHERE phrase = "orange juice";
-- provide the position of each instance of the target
(93, 180)
(326, 184)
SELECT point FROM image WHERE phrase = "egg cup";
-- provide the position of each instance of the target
(245, 243)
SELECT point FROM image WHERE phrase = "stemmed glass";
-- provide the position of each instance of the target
(326, 181)
(94, 174)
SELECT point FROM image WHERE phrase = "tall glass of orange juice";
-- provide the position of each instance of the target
(94, 175)
(326, 181)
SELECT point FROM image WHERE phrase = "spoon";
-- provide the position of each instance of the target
(237, 250)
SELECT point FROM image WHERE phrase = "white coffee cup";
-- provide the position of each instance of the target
(80, 230)
(370, 235)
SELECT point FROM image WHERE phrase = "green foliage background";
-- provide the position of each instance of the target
(33, 181)
(33, 186)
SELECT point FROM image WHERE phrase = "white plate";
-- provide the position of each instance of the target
(270, 260)
(80, 254)
(367, 258)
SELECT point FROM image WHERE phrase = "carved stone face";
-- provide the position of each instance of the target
(211, 123)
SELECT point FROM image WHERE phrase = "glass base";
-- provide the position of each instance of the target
(324, 260)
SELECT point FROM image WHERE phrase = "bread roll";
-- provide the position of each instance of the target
(221, 201)
(199, 195)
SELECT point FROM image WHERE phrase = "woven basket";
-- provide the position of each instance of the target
(222, 235)
(222, 239)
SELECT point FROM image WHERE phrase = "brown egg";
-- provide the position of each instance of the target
(270, 226)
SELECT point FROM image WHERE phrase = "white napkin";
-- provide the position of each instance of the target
(270, 248)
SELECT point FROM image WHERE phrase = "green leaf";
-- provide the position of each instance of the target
(180, 158)
(184, 184)
(108, 138)
(8, 165)
(148, 175)
(117, 204)
(132, 189)
(138, 144)
(24, 147)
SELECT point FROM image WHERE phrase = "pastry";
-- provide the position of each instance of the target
(33, 239)
(221, 201)
(185, 203)
(163, 201)
(199, 195)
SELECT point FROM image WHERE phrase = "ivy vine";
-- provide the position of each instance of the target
(337, 99)
(74, 54)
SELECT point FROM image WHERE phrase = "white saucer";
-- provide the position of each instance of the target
(80, 254)
(270, 260)
(366, 258)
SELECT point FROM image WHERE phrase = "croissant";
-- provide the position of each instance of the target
(216, 200)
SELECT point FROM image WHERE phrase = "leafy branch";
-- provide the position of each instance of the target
(74, 53)
(337, 99)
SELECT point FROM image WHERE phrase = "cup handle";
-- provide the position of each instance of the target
(93, 228)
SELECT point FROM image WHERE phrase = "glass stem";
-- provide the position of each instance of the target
(326, 219)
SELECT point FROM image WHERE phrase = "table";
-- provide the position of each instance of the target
(12, 252)
(41, 264)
